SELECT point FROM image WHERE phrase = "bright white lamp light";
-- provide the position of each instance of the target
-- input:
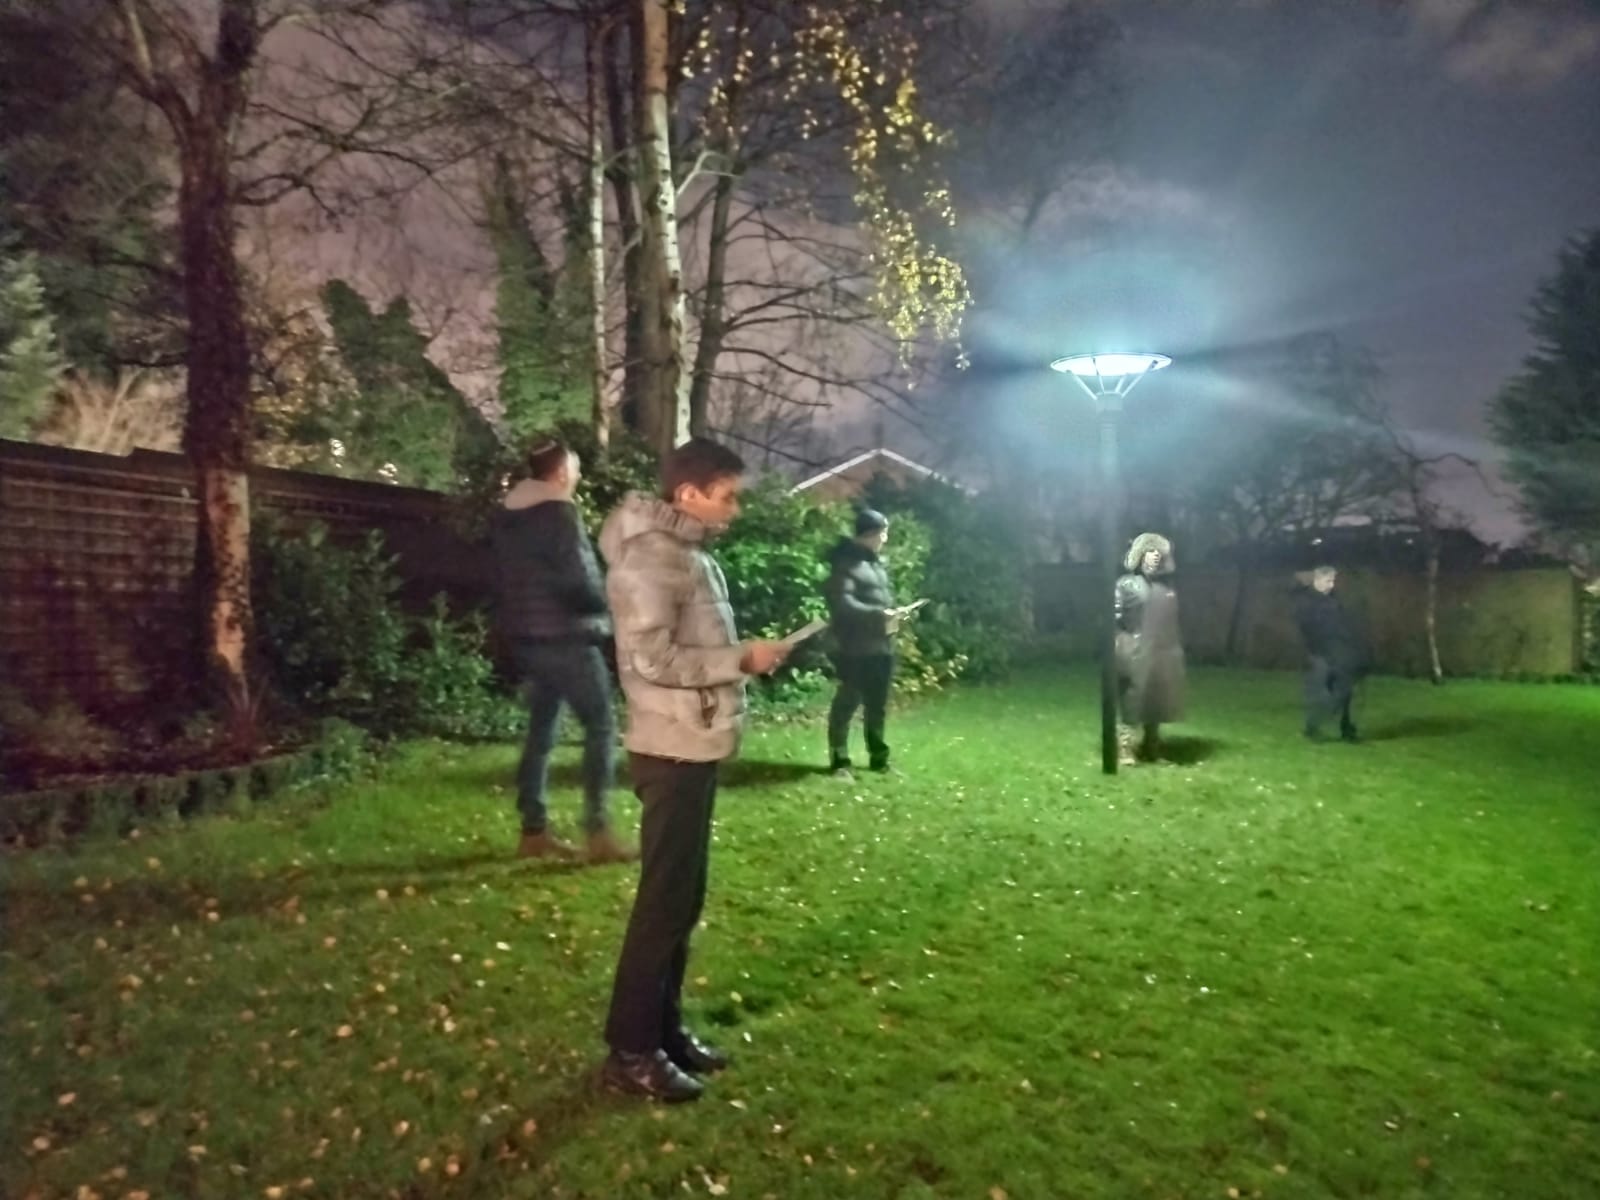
(1109, 377)
(1110, 366)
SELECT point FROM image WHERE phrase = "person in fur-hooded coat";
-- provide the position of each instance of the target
(1149, 647)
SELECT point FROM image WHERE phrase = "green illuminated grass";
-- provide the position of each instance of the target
(1284, 969)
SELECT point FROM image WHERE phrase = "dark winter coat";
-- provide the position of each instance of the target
(1329, 632)
(549, 587)
(1149, 651)
(858, 592)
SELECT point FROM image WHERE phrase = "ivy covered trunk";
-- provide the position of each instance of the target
(217, 429)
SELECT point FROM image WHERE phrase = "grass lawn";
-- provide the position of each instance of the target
(1270, 969)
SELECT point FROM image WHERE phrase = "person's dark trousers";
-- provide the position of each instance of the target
(573, 673)
(1330, 688)
(863, 683)
(675, 850)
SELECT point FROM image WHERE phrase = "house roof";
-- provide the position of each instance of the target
(864, 456)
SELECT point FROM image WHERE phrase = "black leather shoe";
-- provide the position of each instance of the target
(691, 1054)
(653, 1075)
(1349, 734)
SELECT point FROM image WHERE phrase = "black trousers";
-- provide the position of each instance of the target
(1330, 687)
(863, 683)
(675, 849)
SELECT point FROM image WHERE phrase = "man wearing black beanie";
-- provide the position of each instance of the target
(860, 605)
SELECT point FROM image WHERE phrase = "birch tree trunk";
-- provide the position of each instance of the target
(596, 243)
(665, 395)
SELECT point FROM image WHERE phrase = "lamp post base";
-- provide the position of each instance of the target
(1109, 491)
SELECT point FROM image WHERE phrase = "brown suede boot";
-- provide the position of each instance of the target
(545, 844)
(604, 847)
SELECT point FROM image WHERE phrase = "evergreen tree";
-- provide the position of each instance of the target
(30, 363)
(406, 422)
(1548, 416)
(539, 315)
(83, 188)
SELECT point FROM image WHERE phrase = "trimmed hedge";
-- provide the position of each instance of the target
(111, 807)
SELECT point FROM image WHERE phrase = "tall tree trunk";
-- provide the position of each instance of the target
(1431, 608)
(713, 316)
(1232, 649)
(203, 103)
(665, 399)
(595, 248)
(713, 312)
(619, 174)
(217, 427)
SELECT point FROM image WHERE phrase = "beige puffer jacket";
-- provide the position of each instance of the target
(677, 649)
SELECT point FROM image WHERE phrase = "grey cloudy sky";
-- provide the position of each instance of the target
(1401, 172)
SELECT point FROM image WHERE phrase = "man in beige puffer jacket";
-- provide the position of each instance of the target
(683, 670)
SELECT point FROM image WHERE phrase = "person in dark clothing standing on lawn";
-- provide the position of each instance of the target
(552, 613)
(683, 670)
(1335, 655)
(861, 617)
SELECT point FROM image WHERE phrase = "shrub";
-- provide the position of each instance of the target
(453, 688)
(336, 640)
(976, 576)
(773, 560)
(343, 752)
(61, 737)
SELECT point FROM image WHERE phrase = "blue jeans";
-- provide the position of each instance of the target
(573, 673)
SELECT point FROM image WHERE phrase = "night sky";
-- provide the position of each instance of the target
(1401, 173)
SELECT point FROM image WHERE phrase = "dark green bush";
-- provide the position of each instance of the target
(453, 689)
(976, 577)
(336, 641)
(344, 751)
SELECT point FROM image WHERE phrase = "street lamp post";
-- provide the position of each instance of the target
(1108, 378)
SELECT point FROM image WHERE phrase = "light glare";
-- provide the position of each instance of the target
(1110, 366)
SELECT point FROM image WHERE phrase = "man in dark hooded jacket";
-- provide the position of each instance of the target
(552, 612)
(860, 604)
(1336, 656)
